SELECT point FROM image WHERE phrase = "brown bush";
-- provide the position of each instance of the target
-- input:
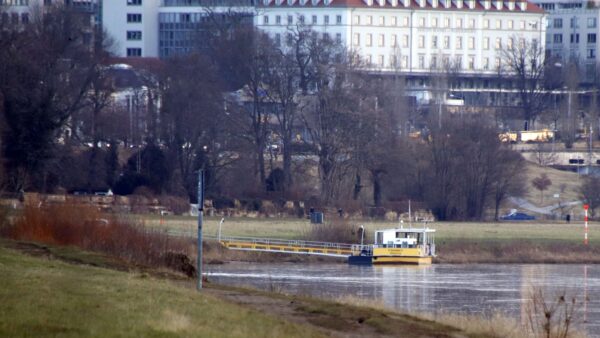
(85, 227)
(177, 205)
(337, 230)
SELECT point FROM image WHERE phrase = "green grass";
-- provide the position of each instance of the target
(43, 297)
(286, 228)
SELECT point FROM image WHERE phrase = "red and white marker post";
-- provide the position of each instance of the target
(585, 238)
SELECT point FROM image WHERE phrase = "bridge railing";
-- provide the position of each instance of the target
(283, 242)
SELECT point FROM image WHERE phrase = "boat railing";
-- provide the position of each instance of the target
(362, 249)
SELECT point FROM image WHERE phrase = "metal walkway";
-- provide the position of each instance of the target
(289, 246)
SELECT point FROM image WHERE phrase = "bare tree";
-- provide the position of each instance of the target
(46, 70)
(524, 62)
(541, 183)
(589, 193)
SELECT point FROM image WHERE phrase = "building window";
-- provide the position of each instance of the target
(591, 22)
(266, 20)
(278, 19)
(522, 25)
(405, 41)
(498, 24)
(134, 52)
(472, 23)
(458, 61)
(558, 23)
(394, 41)
(381, 21)
(573, 23)
(486, 63)
(369, 20)
(446, 42)
(591, 54)
(459, 23)
(338, 37)
(405, 21)
(404, 61)
(326, 19)
(433, 62)
(458, 42)
(471, 43)
(434, 22)
(314, 19)
(421, 41)
(447, 22)
(591, 38)
(510, 24)
(338, 19)
(290, 20)
(289, 39)
(278, 39)
(486, 23)
(369, 59)
(381, 40)
(393, 61)
(486, 43)
(25, 18)
(471, 62)
(498, 63)
(394, 21)
(421, 22)
(509, 43)
(498, 43)
(134, 2)
(422, 61)
(356, 39)
(575, 38)
(381, 60)
(326, 37)
(434, 42)
(134, 35)
(134, 17)
(558, 38)
(301, 19)
(369, 40)
(356, 19)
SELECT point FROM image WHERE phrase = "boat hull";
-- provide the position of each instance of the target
(368, 260)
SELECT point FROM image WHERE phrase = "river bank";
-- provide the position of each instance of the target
(46, 289)
(515, 251)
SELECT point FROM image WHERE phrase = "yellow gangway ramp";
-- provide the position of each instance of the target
(287, 246)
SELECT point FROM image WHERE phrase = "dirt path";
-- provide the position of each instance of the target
(334, 319)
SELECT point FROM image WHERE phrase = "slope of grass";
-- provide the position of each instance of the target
(43, 297)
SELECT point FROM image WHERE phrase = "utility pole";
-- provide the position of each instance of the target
(200, 215)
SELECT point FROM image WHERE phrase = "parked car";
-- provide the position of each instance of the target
(517, 216)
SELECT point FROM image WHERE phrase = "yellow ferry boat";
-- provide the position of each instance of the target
(397, 246)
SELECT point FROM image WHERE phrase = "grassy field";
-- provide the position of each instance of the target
(446, 231)
(564, 183)
(53, 291)
(42, 298)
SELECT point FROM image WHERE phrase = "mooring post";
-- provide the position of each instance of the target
(200, 214)
(585, 236)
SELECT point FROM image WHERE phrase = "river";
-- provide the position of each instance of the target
(466, 289)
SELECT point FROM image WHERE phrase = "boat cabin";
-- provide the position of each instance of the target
(407, 238)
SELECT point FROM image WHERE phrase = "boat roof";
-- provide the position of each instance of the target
(402, 229)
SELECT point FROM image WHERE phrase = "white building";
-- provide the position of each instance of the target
(414, 35)
(572, 33)
(160, 28)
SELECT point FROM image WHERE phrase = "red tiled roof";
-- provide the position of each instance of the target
(531, 7)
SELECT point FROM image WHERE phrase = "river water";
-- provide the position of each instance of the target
(466, 289)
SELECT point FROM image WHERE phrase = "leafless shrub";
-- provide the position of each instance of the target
(337, 230)
(551, 317)
(85, 227)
